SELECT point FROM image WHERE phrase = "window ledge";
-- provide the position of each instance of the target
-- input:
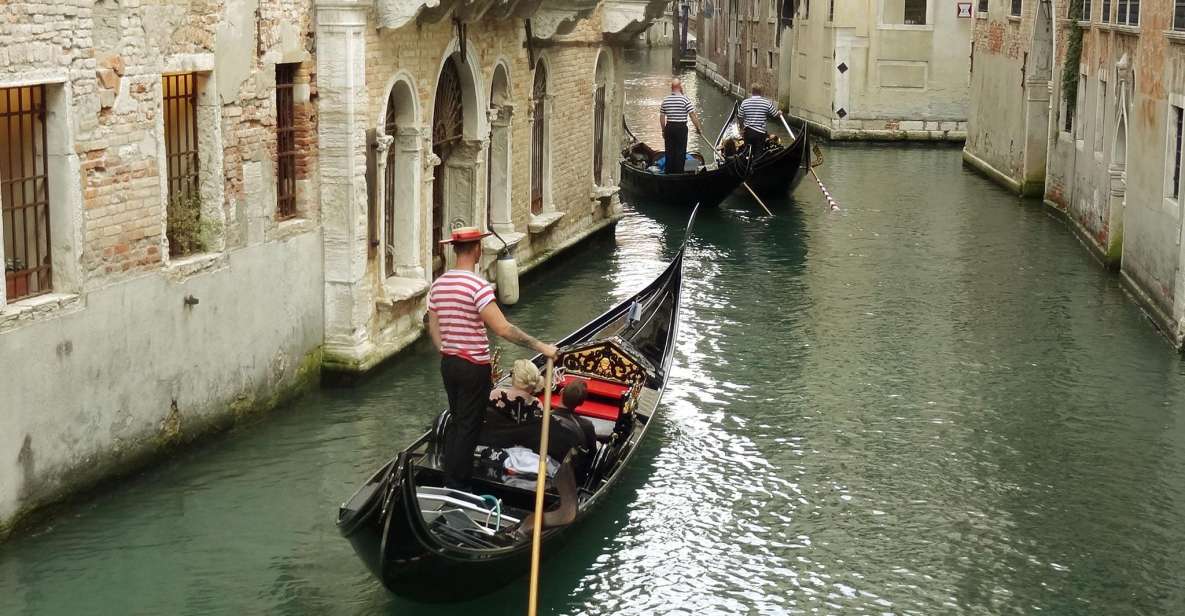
(1175, 36)
(541, 222)
(37, 308)
(907, 27)
(1125, 29)
(189, 265)
(402, 289)
(980, 15)
(1084, 24)
(494, 245)
(1014, 18)
(290, 227)
(603, 192)
(1170, 207)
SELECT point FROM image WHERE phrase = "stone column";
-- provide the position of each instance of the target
(409, 141)
(342, 109)
(382, 143)
(501, 219)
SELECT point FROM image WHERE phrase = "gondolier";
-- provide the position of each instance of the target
(460, 307)
(755, 110)
(672, 115)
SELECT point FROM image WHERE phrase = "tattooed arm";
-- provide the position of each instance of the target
(496, 321)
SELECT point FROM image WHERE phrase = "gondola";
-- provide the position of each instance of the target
(773, 172)
(429, 543)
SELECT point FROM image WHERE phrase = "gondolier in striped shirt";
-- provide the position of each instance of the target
(460, 307)
(755, 110)
(673, 114)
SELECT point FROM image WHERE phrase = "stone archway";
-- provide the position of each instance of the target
(498, 183)
(398, 164)
(1117, 170)
(1038, 73)
(456, 144)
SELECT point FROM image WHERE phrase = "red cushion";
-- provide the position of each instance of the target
(597, 387)
(600, 410)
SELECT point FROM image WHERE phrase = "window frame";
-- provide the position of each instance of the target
(1016, 8)
(1173, 137)
(286, 152)
(37, 115)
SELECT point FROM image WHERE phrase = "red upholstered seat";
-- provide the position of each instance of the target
(604, 398)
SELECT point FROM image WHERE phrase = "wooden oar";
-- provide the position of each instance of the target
(826, 193)
(540, 485)
(756, 198)
(743, 183)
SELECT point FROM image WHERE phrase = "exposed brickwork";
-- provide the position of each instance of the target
(109, 57)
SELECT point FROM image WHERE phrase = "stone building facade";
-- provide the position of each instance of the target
(1086, 111)
(739, 43)
(206, 204)
(889, 69)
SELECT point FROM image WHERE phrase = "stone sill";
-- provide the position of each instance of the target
(540, 223)
(1125, 29)
(1014, 18)
(603, 192)
(38, 308)
(494, 245)
(907, 27)
(1084, 24)
(290, 227)
(184, 267)
(979, 15)
(402, 289)
(1175, 36)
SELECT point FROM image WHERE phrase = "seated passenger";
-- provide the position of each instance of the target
(572, 440)
(517, 403)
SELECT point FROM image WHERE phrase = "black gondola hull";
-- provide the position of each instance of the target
(708, 188)
(778, 173)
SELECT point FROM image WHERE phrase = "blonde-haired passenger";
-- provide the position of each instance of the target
(519, 403)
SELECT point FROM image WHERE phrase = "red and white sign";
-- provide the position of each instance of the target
(964, 10)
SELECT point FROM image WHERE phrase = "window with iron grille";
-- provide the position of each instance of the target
(1128, 12)
(181, 157)
(1014, 10)
(1178, 14)
(907, 12)
(1085, 14)
(391, 127)
(599, 133)
(285, 141)
(830, 10)
(1178, 123)
(1106, 16)
(24, 192)
(983, 6)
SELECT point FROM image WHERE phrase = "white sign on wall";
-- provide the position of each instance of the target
(964, 10)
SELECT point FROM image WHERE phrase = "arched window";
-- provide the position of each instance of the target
(599, 89)
(538, 137)
(448, 127)
(391, 128)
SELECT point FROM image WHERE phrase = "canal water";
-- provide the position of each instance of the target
(929, 402)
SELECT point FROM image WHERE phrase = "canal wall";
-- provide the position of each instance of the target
(1100, 145)
(120, 377)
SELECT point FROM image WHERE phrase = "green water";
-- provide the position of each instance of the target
(931, 401)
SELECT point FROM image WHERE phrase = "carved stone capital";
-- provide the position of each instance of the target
(431, 160)
(382, 143)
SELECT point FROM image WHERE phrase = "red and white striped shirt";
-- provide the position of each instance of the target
(457, 298)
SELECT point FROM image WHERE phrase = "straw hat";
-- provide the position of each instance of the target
(462, 235)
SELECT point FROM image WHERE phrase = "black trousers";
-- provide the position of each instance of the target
(674, 138)
(468, 387)
(755, 138)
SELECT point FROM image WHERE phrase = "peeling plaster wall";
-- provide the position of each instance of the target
(132, 370)
(111, 368)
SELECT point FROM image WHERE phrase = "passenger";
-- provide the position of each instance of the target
(572, 440)
(518, 403)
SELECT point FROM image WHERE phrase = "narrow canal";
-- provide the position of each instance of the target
(931, 401)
